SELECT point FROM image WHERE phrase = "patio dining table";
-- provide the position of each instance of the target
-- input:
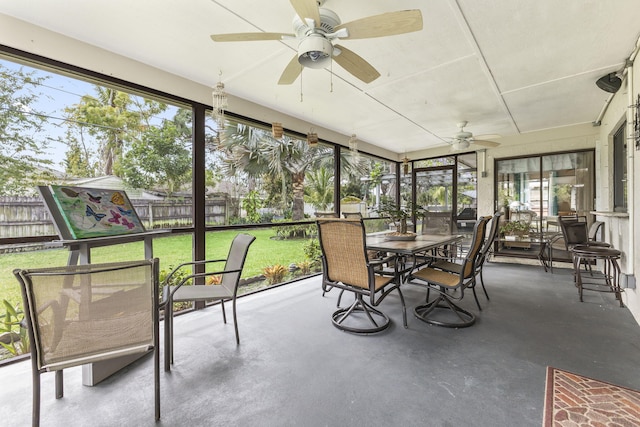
(409, 248)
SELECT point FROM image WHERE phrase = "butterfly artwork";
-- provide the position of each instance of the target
(94, 212)
(127, 212)
(128, 224)
(97, 216)
(115, 217)
(94, 199)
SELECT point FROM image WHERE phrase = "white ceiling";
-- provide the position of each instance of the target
(506, 66)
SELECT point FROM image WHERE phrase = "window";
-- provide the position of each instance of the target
(366, 182)
(546, 185)
(620, 170)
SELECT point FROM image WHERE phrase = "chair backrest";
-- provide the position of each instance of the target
(344, 258)
(477, 240)
(326, 215)
(235, 260)
(491, 236)
(594, 229)
(438, 223)
(352, 214)
(87, 313)
(575, 232)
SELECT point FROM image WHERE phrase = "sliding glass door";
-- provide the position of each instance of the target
(546, 186)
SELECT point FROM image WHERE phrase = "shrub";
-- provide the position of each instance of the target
(305, 267)
(295, 231)
(313, 252)
(175, 280)
(216, 279)
(275, 273)
(10, 324)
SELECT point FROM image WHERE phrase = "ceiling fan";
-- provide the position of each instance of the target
(316, 30)
(463, 139)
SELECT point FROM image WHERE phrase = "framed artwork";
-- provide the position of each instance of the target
(94, 212)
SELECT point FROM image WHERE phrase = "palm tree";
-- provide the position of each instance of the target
(254, 151)
(320, 188)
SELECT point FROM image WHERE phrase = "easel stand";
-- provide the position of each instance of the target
(100, 205)
(79, 254)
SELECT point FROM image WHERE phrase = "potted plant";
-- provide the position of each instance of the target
(399, 216)
(514, 228)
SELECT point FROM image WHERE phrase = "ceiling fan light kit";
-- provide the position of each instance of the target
(316, 29)
(314, 51)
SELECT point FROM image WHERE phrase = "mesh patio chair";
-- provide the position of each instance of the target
(347, 267)
(227, 290)
(81, 314)
(450, 286)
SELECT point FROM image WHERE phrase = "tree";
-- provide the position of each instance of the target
(158, 159)
(21, 147)
(114, 118)
(256, 152)
(319, 190)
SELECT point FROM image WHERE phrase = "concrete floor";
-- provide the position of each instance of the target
(293, 368)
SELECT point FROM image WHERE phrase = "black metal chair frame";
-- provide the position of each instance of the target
(336, 270)
(607, 281)
(446, 283)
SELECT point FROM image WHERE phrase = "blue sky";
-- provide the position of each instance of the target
(58, 92)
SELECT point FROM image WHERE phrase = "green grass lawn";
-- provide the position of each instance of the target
(171, 251)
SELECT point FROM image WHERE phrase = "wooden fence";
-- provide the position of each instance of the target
(28, 216)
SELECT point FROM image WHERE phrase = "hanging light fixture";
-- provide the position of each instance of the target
(312, 138)
(276, 130)
(219, 103)
(405, 165)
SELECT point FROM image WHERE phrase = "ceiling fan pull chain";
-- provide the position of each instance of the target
(331, 76)
(300, 86)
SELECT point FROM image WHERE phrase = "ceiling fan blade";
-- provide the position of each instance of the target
(490, 144)
(488, 136)
(356, 65)
(291, 72)
(247, 37)
(307, 9)
(386, 24)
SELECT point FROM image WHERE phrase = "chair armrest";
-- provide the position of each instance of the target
(385, 260)
(193, 276)
(189, 263)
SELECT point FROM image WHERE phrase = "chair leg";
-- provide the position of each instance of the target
(156, 374)
(168, 335)
(340, 297)
(235, 321)
(466, 318)
(475, 296)
(224, 313)
(35, 379)
(59, 384)
(482, 283)
(360, 306)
